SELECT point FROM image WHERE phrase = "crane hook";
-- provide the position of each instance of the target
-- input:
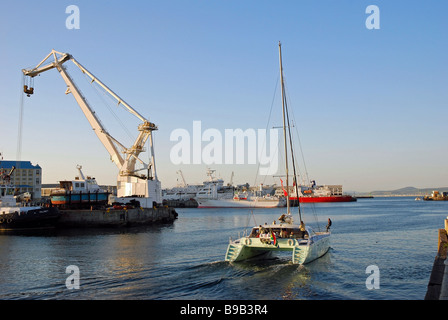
(28, 90)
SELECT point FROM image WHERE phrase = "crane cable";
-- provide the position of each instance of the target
(101, 94)
(19, 132)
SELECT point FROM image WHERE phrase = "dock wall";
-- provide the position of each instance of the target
(189, 203)
(438, 281)
(116, 218)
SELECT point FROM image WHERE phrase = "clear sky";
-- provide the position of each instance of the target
(370, 105)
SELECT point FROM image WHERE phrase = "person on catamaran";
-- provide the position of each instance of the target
(302, 226)
(302, 230)
(328, 224)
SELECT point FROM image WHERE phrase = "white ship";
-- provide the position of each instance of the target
(186, 191)
(243, 202)
(215, 195)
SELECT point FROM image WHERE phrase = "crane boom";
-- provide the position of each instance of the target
(129, 181)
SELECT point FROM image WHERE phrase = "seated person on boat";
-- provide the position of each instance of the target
(285, 233)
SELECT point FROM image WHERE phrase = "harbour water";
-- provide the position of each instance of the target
(185, 260)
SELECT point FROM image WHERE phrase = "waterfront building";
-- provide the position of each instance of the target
(27, 178)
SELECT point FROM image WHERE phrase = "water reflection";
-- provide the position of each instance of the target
(185, 260)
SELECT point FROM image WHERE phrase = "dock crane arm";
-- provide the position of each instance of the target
(126, 163)
(183, 179)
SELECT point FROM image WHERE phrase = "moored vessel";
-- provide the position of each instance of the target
(83, 192)
(183, 191)
(15, 216)
(320, 193)
(243, 201)
(437, 196)
(214, 194)
(211, 198)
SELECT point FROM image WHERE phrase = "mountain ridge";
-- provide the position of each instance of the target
(407, 191)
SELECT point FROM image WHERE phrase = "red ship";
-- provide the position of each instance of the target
(324, 193)
(312, 199)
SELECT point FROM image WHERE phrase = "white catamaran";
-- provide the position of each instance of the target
(305, 244)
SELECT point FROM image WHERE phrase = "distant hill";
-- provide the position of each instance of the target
(408, 191)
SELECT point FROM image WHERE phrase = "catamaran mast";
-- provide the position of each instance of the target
(284, 129)
(286, 120)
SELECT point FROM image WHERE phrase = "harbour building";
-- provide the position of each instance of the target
(27, 178)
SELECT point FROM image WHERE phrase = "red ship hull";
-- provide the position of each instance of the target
(311, 199)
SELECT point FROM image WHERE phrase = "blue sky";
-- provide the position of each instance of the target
(370, 105)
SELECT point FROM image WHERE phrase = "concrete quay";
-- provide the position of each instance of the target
(116, 217)
(188, 203)
(438, 281)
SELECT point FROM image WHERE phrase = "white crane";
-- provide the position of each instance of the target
(131, 183)
(230, 184)
(183, 179)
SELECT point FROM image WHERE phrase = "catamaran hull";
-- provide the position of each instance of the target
(307, 254)
(303, 251)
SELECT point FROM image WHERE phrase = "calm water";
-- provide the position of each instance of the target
(184, 260)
